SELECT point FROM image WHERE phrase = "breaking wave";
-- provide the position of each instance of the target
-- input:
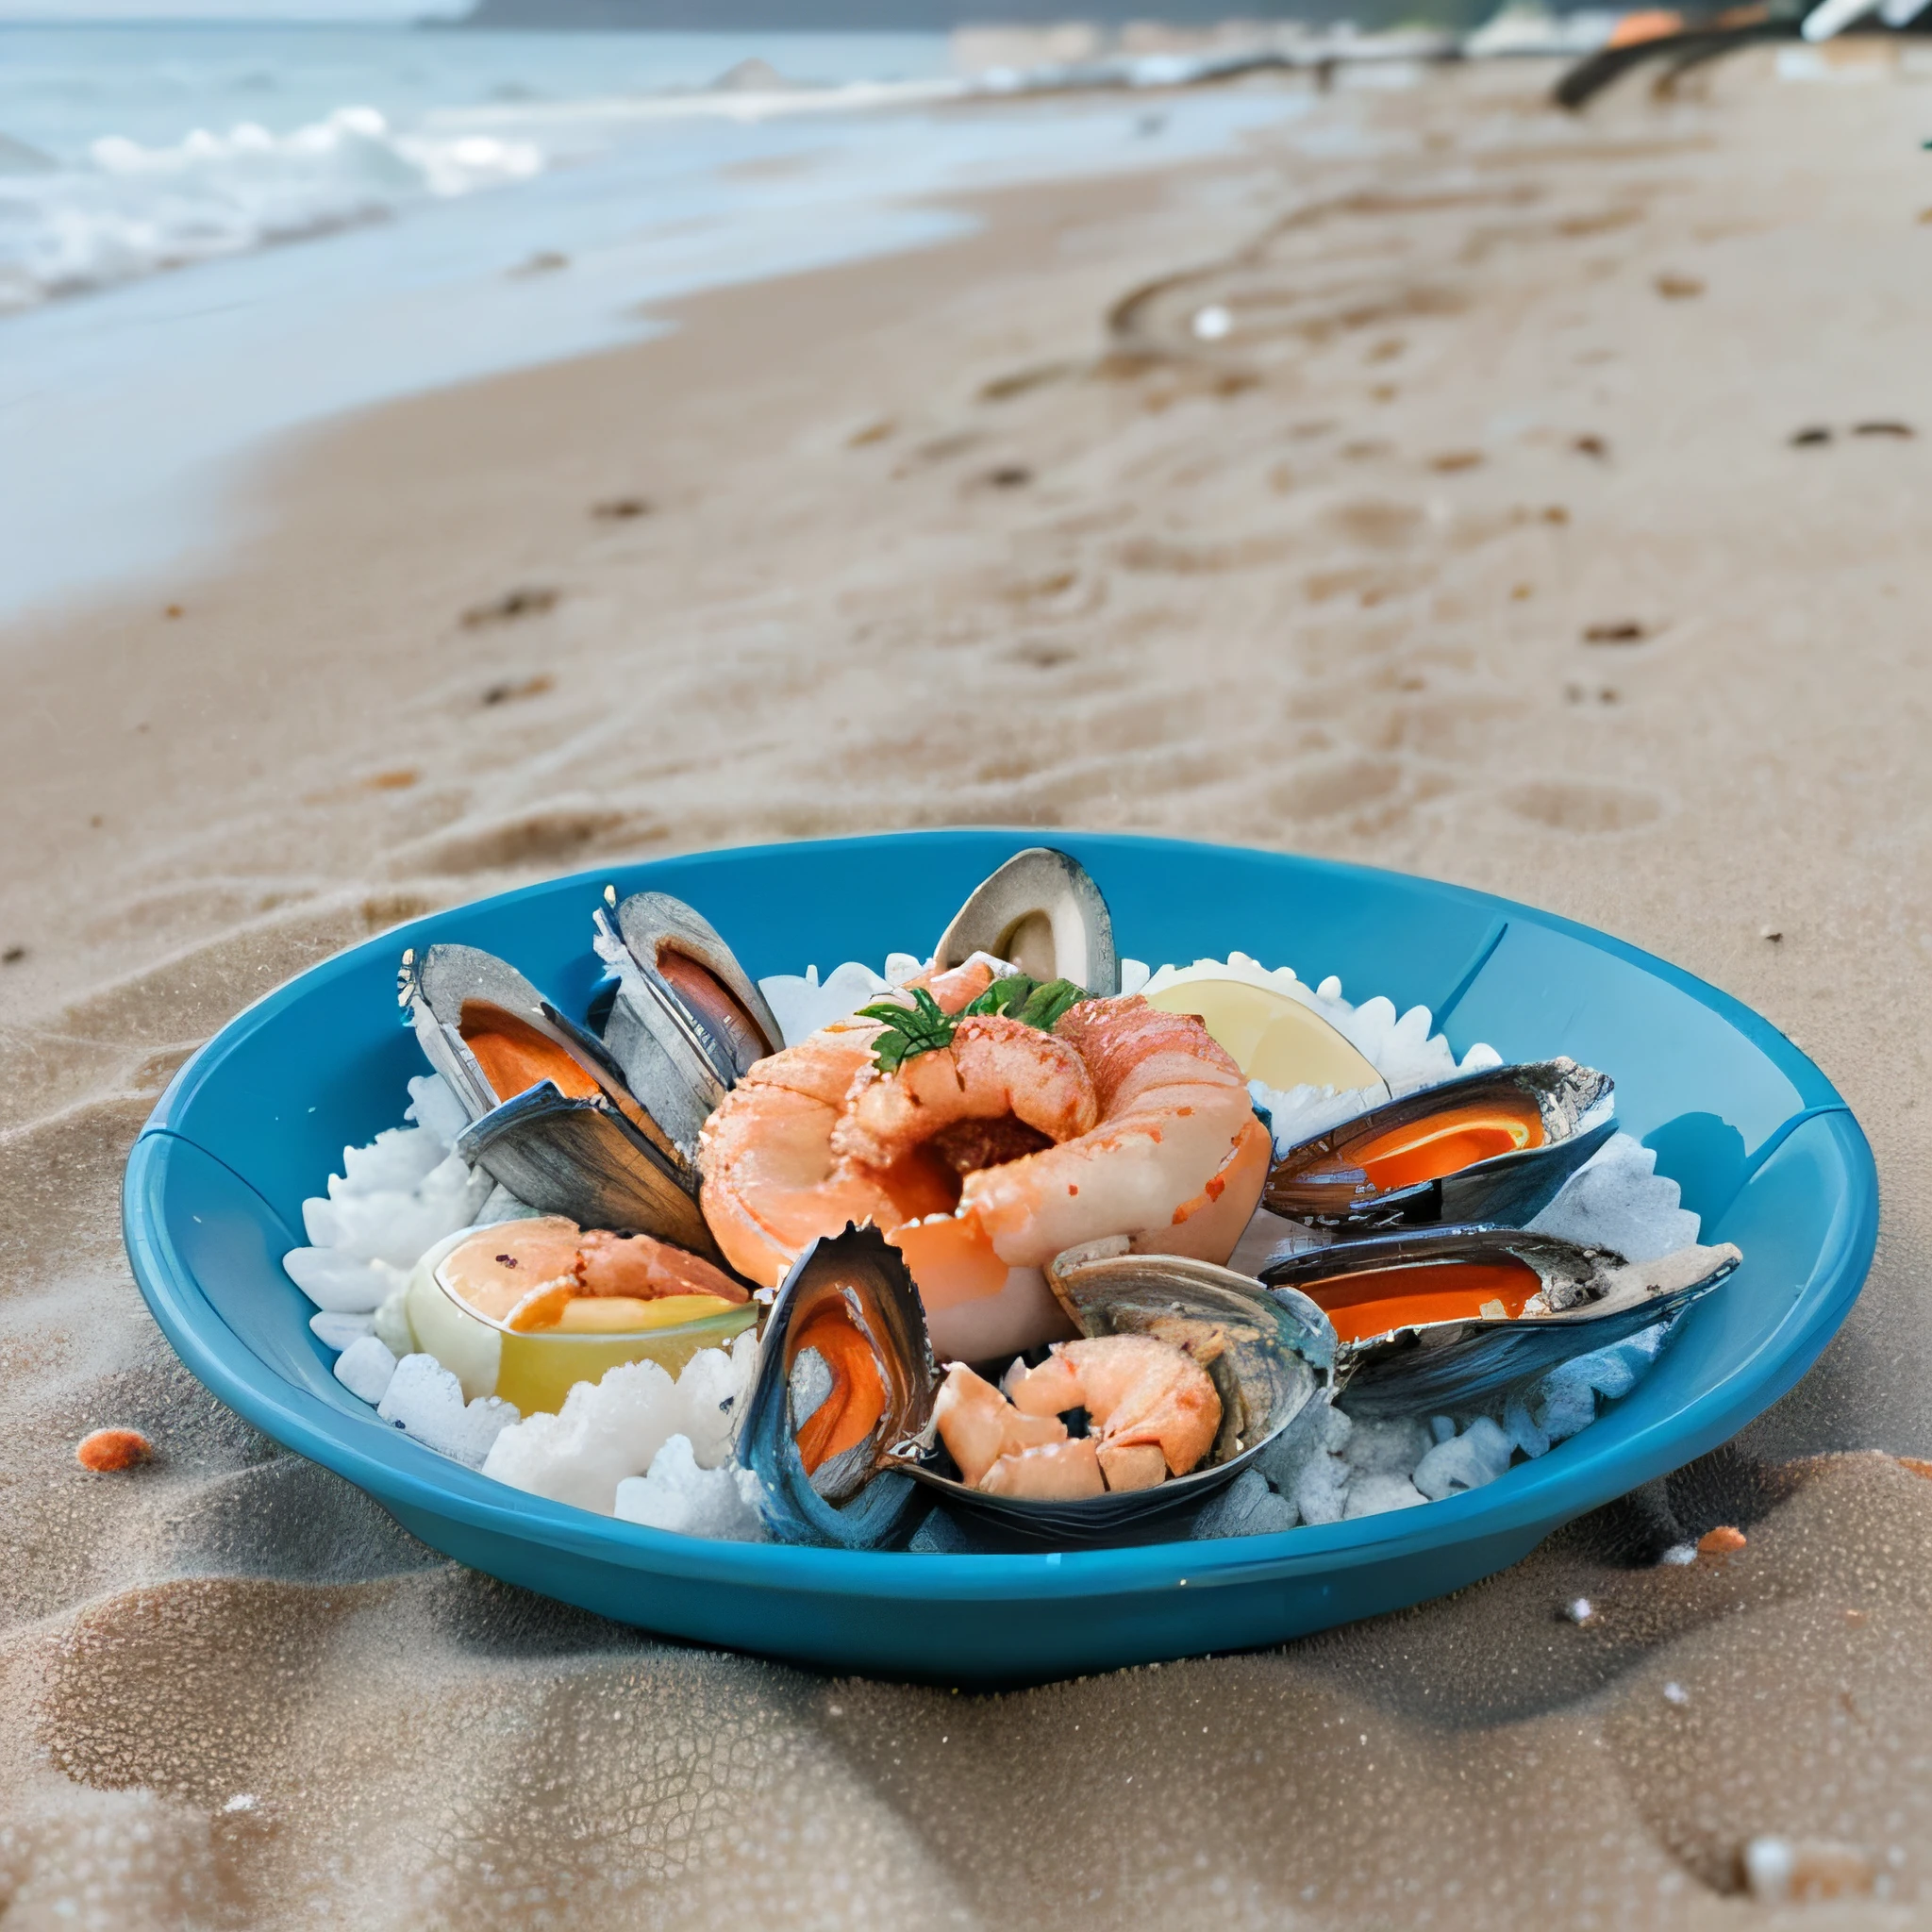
(133, 210)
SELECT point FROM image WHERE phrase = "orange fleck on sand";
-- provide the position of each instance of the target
(113, 1449)
(1917, 1464)
(1650, 23)
(1720, 1542)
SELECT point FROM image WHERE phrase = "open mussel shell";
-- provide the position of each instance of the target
(1271, 1358)
(1042, 912)
(582, 1158)
(845, 1343)
(1493, 1147)
(687, 1019)
(1442, 1320)
(569, 1138)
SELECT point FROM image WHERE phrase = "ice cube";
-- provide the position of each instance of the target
(365, 1368)
(1390, 1445)
(677, 1495)
(426, 1401)
(1246, 1508)
(335, 1281)
(1467, 1461)
(1320, 1488)
(395, 1162)
(1617, 1200)
(605, 1431)
(436, 1109)
(338, 1332)
(1371, 1494)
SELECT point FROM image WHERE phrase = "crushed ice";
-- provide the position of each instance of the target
(657, 1451)
(612, 1431)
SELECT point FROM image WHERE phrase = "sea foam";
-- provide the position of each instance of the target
(133, 208)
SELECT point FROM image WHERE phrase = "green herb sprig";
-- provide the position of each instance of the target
(925, 1027)
(1022, 998)
(921, 1028)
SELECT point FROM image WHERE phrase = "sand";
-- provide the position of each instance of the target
(985, 534)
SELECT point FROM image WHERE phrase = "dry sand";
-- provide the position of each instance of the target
(983, 534)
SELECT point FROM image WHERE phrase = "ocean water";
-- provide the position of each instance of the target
(128, 149)
(211, 236)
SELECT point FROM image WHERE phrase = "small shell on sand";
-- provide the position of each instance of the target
(107, 1450)
(1781, 1871)
(1720, 1542)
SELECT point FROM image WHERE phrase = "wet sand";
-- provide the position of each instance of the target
(1480, 547)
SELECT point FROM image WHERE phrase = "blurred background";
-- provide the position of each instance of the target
(436, 454)
(439, 170)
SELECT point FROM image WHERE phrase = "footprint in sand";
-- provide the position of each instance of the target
(1327, 791)
(1815, 434)
(1003, 389)
(1043, 657)
(547, 836)
(1560, 806)
(526, 600)
(527, 687)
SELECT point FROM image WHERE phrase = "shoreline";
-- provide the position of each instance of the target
(996, 532)
(140, 411)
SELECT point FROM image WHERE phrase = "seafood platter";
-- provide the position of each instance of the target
(1123, 1249)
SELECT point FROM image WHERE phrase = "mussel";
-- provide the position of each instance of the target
(1493, 1147)
(551, 1115)
(687, 1019)
(1442, 1321)
(842, 1397)
(1042, 912)
(1271, 1358)
(842, 1410)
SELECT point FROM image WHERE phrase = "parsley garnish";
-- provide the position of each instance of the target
(922, 1028)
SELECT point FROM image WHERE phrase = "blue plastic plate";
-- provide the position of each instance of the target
(1759, 1141)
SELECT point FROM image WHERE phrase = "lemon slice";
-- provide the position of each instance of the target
(622, 1315)
(1273, 1037)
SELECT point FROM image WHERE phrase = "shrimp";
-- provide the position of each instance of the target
(1175, 1161)
(526, 1273)
(998, 1072)
(982, 1159)
(1154, 1409)
(979, 1426)
(771, 1183)
(1141, 1394)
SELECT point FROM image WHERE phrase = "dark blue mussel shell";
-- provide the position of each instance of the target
(860, 1499)
(584, 1157)
(1320, 1181)
(1455, 1366)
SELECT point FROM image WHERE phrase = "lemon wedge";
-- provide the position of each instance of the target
(1273, 1037)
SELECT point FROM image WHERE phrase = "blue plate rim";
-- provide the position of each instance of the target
(1572, 1478)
